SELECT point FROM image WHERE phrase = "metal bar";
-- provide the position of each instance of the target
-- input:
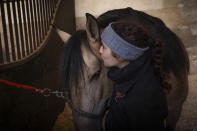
(54, 5)
(16, 30)
(50, 16)
(1, 40)
(25, 27)
(42, 19)
(51, 6)
(18, 17)
(1, 51)
(34, 22)
(38, 21)
(21, 35)
(29, 22)
(12, 46)
(5, 33)
(50, 11)
(47, 14)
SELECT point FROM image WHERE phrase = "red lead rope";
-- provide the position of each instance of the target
(31, 88)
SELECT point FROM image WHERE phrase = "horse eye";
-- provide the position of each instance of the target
(95, 75)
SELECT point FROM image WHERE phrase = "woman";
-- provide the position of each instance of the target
(138, 102)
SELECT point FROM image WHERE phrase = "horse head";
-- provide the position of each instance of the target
(86, 81)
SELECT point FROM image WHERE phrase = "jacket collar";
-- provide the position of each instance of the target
(125, 77)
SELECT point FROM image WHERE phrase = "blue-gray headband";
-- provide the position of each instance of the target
(120, 46)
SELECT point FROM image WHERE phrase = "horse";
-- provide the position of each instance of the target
(86, 79)
(175, 64)
(87, 86)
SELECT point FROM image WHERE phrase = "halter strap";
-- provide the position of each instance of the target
(82, 113)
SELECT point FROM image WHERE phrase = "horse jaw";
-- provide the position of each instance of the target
(64, 36)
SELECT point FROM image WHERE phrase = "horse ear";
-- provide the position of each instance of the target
(92, 28)
(62, 34)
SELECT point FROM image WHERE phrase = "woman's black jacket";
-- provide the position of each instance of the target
(138, 102)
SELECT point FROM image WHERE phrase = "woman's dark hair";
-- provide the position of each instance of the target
(131, 33)
(137, 35)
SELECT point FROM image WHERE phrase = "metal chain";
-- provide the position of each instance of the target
(59, 94)
(64, 95)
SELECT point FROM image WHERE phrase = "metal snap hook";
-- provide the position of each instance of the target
(47, 92)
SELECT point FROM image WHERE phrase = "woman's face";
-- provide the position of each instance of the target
(107, 56)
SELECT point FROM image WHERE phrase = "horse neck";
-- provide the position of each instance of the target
(84, 103)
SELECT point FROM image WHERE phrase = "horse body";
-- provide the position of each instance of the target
(176, 61)
(176, 98)
(93, 88)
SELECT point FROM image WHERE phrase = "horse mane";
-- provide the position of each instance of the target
(175, 56)
(73, 60)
